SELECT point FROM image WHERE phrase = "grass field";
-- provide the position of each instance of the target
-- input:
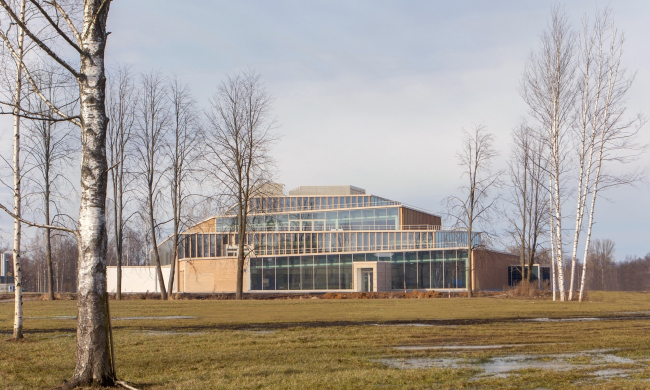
(347, 343)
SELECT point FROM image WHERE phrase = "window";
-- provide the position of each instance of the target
(397, 271)
(424, 270)
(333, 275)
(411, 270)
(281, 273)
(294, 273)
(268, 274)
(346, 271)
(320, 272)
(181, 250)
(307, 270)
(256, 274)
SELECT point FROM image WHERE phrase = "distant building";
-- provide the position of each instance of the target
(329, 238)
(6, 273)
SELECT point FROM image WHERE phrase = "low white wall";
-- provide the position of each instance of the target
(137, 279)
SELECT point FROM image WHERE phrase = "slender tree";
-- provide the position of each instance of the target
(18, 276)
(548, 89)
(184, 153)
(529, 206)
(470, 209)
(50, 146)
(121, 103)
(238, 137)
(615, 139)
(150, 139)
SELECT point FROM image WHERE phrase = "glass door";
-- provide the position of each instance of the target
(366, 280)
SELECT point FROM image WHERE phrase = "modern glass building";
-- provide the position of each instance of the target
(334, 238)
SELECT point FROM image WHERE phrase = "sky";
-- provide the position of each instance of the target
(375, 93)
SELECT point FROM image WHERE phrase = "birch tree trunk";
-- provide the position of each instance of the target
(18, 275)
(93, 363)
(552, 228)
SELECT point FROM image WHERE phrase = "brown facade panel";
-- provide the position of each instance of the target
(491, 269)
(414, 217)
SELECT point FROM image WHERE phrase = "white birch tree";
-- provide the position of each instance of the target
(614, 139)
(548, 89)
(81, 28)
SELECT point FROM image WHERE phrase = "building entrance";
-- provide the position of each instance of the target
(366, 279)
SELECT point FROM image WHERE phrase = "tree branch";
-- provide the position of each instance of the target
(38, 42)
(58, 29)
(38, 225)
(33, 83)
(67, 19)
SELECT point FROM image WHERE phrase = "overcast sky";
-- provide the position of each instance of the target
(375, 93)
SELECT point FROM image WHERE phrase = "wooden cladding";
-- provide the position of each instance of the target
(409, 217)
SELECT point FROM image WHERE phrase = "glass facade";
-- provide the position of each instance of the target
(311, 242)
(286, 204)
(440, 269)
(380, 218)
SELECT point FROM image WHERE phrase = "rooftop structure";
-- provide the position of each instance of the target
(327, 190)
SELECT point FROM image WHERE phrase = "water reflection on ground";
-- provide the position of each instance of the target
(502, 366)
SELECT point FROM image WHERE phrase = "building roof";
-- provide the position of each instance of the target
(327, 190)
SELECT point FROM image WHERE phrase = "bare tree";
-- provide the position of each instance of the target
(614, 137)
(82, 29)
(50, 146)
(121, 102)
(530, 212)
(548, 89)
(601, 254)
(150, 143)
(184, 152)
(238, 138)
(472, 206)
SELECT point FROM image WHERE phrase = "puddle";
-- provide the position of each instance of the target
(425, 325)
(610, 373)
(457, 347)
(562, 319)
(419, 325)
(166, 333)
(502, 366)
(260, 331)
(155, 318)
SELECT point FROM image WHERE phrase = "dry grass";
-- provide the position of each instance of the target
(325, 343)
